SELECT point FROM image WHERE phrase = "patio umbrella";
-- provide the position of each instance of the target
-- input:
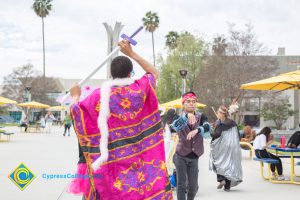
(286, 81)
(178, 104)
(6, 101)
(57, 108)
(33, 104)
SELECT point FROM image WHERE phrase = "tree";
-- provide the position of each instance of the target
(219, 46)
(151, 22)
(189, 54)
(42, 8)
(278, 110)
(236, 59)
(15, 84)
(171, 40)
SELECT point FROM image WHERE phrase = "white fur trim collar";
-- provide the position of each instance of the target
(103, 116)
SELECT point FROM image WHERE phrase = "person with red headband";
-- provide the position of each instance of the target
(191, 127)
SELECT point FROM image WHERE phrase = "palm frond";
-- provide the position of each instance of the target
(42, 7)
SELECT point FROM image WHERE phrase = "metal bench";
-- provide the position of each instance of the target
(7, 134)
(247, 146)
(266, 160)
(269, 161)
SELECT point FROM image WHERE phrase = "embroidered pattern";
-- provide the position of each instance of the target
(141, 176)
(130, 102)
(131, 149)
(76, 114)
(97, 107)
(127, 132)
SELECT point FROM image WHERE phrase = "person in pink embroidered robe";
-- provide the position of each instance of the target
(135, 167)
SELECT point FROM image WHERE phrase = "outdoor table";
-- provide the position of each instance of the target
(34, 128)
(290, 152)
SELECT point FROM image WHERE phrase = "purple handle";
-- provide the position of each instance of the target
(136, 32)
(133, 42)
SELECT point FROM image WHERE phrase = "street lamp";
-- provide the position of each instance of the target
(183, 74)
(27, 94)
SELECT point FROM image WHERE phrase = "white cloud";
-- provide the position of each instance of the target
(76, 38)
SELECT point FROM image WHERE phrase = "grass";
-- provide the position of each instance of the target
(11, 124)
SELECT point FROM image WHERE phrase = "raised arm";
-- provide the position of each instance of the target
(75, 92)
(127, 50)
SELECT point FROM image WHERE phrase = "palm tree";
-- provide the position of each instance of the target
(219, 46)
(151, 22)
(42, 9)
(171, 39)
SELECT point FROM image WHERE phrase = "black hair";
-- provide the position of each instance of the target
(266, 131)
(120, 67)
(190, 92)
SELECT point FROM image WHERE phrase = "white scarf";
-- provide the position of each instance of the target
(103, 116)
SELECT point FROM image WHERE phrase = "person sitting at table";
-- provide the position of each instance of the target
(248, 135)
(24, 123)
(263, 139)
(294, 140)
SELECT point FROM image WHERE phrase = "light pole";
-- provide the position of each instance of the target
(183, 74)
(27, 95)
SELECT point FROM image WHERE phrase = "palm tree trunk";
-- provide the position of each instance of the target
(44, 68)
(153, 49)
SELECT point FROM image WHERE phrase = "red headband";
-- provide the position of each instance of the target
(188, 96)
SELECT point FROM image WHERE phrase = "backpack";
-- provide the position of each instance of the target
(173, 179)
(294, 140)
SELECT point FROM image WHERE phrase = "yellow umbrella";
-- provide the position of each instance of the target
(178, 104)
(57, 108)
(286, 81)
(33, 104)
(6, 101)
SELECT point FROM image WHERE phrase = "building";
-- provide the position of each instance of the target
(252, 104)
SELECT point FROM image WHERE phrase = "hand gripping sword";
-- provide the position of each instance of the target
(84, 80)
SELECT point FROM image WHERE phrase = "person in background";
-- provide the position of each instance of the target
(67, 123)
(24, 123)
(49, 118)
(191, 127)
(248, 135)
(263, 139)
(225, 156)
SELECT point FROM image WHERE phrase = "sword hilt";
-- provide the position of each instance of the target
(129, 38)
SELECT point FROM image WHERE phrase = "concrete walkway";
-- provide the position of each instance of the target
(55, 154)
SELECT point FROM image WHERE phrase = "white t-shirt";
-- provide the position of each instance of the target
(260, 142)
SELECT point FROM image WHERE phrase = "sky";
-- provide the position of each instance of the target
(76, 40)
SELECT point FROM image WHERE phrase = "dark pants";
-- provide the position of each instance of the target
(265, 154)
(67, 127)
(221, 178)
(24, 125)
(187, 176)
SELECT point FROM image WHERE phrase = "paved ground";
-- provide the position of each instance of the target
(55, 154)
